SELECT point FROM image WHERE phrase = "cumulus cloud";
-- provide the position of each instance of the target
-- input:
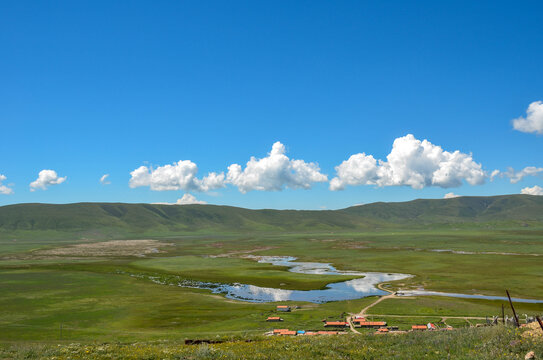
(516, 176)
(104, 179)
(358, 169)
(533, 122)
(450, 196)
(274, 172)
(412, 163)
(46, 178)
(4, 190)
(535, 190)
(186, 199)
(177, 176)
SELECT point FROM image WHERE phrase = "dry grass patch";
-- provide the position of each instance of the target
(533, 331)
(109, 248)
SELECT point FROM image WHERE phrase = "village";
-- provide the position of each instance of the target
(343, 326)
(361, 324)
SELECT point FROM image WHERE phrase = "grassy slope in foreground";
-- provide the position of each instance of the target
(476, 343)
(110, 220)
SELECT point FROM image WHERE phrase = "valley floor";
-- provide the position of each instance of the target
(90, 293)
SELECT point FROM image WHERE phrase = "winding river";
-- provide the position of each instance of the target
(364, 286)
(346, 290)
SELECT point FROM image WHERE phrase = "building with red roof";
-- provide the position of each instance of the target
(336, 324)
(419, 327)
(369, 324)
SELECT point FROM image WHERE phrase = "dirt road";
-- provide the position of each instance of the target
(391, 295)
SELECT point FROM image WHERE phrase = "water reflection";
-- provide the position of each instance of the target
(358, 288)
(346, 290)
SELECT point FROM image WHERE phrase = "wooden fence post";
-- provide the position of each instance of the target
(513, 308)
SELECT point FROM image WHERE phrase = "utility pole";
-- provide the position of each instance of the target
(503, 315)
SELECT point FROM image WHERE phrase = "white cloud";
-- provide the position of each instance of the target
(274, 172)
(4, 190)
(104, 179)
(450, 196)
(516, 176)
(494, 174)
(533, 122)
(45, 179)
(412, 163)
(535, 190)
(187, 199)
(358, 169)
(177, 176)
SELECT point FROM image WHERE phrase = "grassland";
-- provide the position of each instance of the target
(46, 286)
(94, 298)
(231, 270)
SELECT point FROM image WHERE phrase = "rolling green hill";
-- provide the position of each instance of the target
(100, 220)
(518, 208)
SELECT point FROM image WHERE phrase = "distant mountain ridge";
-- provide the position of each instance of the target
(98, 220)
(459, 209)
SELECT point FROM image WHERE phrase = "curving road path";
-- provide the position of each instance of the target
(391, 295)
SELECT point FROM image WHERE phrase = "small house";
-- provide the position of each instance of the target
(274, 318)
(288, 332)
(370, 324)
(418, 327)
(283, 308)
(336, 324)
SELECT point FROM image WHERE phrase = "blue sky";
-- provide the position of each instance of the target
(100, 87)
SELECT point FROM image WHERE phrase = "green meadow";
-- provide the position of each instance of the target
(94, 297)
(77, 288)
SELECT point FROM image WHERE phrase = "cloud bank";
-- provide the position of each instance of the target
(411, 162)
(450, 196)
(45, 179)
(177, 176)
(535, 190)
(271, 173)
(274, 172)
(533, 122)
(4, 190)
